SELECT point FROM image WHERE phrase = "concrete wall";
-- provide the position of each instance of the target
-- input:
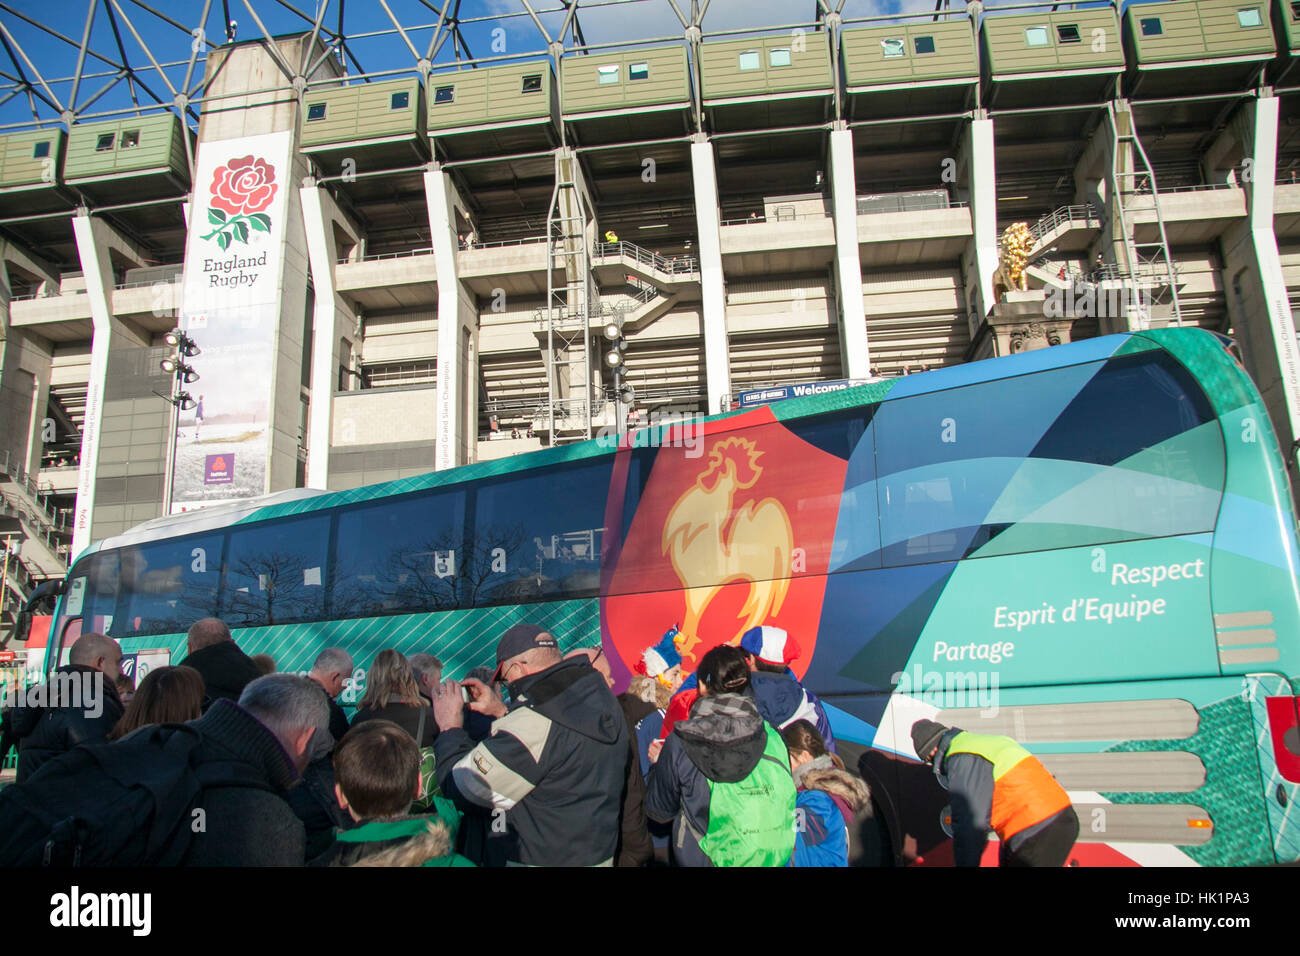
(133, 439)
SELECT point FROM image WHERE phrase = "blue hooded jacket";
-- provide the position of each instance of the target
(782, 700)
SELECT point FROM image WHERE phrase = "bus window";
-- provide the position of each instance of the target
(539, 535)
(399, 556)
(168, 585)
(1108, 451)
(847, 435)
(99, 600)
(275, 572)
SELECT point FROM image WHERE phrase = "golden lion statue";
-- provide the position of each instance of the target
(1013, 256)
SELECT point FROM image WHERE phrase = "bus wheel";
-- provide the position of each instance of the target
(874, 847)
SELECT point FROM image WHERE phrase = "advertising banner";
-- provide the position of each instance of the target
(230, 308)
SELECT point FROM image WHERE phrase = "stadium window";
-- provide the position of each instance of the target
(749, 60)
(778, 57)
(893, 46)
(923, 45)
(1036, 36)
(532, 83)
(638, 71)
(105, 142)
(1068, 33)
(607, 74)
(399, 101)
(315, 112)
(1249, 17)
(130, 138)
(444, 94)
(1151, 27)
(41, 150)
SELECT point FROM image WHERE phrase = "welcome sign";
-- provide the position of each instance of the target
(231, 298)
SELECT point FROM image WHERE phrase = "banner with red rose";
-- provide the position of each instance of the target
(233, 290)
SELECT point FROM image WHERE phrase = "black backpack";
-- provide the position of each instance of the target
(120, 803)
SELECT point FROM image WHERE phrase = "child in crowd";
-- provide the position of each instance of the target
(829, 801)
(377, 777)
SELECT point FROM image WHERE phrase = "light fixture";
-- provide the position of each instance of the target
(614, 359)
(612, 331)
(185, 401)
(169, 365)
(657, 225)
(190, 375)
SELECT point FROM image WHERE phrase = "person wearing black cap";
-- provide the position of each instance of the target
(997, 784)
(556, 760)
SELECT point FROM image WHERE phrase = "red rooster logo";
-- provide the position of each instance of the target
(711, 542)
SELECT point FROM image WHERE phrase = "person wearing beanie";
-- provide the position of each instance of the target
(998, 785)
(663, 661)
(781, 699)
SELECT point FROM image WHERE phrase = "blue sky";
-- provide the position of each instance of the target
(55, 59)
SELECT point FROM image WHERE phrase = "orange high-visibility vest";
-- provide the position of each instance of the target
(1024, 793)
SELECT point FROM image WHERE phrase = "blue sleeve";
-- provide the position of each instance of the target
(970, 782)
(647, 732)
(823, 723)
(663, 787)
(820, 835)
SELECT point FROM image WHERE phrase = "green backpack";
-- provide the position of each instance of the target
(429, 789)
(751, 823)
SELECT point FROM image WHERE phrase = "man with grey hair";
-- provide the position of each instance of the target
(428, 674)
(331, 671)
(226, 670)
(79, 704)
(265, 740)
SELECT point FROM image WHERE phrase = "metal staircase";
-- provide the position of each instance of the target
(1049, 229)
(1147, 264)
(569, 370)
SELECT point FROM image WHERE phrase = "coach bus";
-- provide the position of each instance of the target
(1091, 548)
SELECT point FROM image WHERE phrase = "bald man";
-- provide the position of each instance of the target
(225, 668)
(79, 704)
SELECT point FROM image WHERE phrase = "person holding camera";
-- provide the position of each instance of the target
(555, 763)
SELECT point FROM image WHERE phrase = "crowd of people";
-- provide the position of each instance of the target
(533, 762)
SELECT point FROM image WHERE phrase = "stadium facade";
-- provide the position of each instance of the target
(416, 268)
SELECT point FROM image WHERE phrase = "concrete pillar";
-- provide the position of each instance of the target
(25, 361)
(94, 239)
(457, 402)
(848, 261)
(980, 175)
(1254, 285)
(712, 283)
(332, 320)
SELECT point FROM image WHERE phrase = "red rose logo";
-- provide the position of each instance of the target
(243, 185)
(241, 189)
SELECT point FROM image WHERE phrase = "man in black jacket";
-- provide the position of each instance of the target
(79, 704)
(266, 741)
(214, 654)
(331, 672)
(556, 762)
